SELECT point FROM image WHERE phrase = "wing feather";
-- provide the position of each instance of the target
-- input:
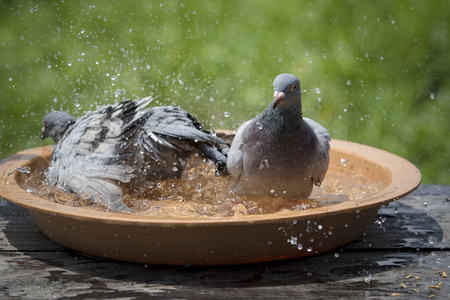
(323, 148)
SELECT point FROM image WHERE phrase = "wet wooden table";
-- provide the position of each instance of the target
(405, 253)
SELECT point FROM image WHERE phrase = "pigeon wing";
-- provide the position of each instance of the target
(171, 128)
(174, 122)
(86, 159)
(235, 161)
(323, 148)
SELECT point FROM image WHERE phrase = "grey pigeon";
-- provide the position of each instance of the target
(125, 143)
(280, 153)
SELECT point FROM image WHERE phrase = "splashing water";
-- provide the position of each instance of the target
(200, 193)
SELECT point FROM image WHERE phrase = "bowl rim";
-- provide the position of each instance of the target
(405, 179)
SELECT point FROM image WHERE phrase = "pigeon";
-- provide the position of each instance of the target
(124, 143)
(280, 153)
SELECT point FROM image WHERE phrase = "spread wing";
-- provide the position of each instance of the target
(86, 160)
(167, 130)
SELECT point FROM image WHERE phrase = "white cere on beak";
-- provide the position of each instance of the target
(278, 96)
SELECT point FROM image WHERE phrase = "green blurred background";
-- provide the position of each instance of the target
(373, 72)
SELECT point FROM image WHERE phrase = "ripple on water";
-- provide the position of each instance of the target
(200, 193)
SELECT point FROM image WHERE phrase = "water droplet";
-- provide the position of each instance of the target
(269, 243)
(25, 169)
(272, 191)
(343, 162)
(181, 82)
(349, 82)
(308, 226)
(309, 249)
(293, 240)
(368, 278)
(34, 9)
(432, 96)
(425, 204)
(175, 169)
(226, 114)
(319, 226)
(260, 126)
(336, 255)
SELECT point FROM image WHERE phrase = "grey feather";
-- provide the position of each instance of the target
(279, 152)
(129, 144)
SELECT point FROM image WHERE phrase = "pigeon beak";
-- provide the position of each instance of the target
(278, 96)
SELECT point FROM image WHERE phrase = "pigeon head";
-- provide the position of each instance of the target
(55, 124)
(287, 91)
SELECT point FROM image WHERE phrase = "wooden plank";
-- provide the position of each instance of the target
(373, 266)
(40, 275)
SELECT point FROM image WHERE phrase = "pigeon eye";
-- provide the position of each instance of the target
(294, 88)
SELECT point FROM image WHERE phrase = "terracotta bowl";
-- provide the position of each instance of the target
(214, 240)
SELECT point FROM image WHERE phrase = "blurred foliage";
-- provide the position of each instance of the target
(373, 72)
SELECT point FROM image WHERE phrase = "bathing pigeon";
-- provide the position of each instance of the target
(280, 153)
(124, 143)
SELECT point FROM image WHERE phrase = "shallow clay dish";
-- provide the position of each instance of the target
(214, 240)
